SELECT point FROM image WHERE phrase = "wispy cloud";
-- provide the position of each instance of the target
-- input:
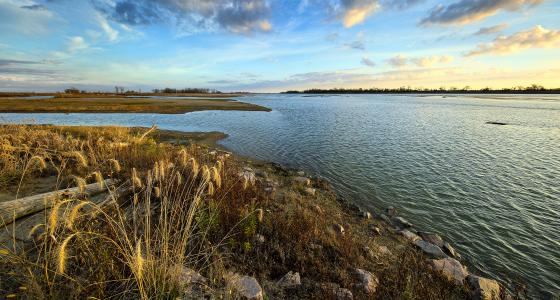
(536, 37)
(112, 34)
(400, 60)
(468, 11)
(357, 45)
(492, 29)
(366, 61)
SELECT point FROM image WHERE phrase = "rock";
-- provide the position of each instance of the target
(401, 222)
(366, 215)
(367, 282)
(385, 218)
(484, 288)
(450, 268)
(260, 238)
(413, 237)
(391, 211)
(375, 230)
(300, 173)
(449, 250)
(430, 249)
(338, 228)
(245, 287)
(291, 279)
(188, 276)
(370, 253)
(248, 175)
(433, 238)
(384, 250)
(344, 294)
(309, 191)
(213, 153)
(302, 180)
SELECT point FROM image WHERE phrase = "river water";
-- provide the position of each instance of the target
(493, 191)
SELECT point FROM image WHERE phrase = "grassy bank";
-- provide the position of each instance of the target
(183, 217)
(121, 105)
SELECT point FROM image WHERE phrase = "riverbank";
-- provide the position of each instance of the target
(254, 228)
(121, 104)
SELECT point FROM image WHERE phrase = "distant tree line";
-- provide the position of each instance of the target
(186, 91)
(532, 89)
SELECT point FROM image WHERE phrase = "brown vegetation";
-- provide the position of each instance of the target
(121, 105)
(186, 207)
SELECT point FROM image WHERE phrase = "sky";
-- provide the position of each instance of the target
(277, 45)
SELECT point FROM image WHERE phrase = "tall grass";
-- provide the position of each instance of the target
(141, 242)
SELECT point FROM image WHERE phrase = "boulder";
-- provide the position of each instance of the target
(484, 288)
(401, 222)
(449, 250)
(430, 249)
(310, 191)
(367, 282)
(413, 237)
(450, 268)
(245, 287)
(291, 279)
(302, 180)
(433, 238)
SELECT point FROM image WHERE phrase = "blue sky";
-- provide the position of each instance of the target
(274, 45)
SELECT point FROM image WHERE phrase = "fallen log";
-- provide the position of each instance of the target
(15, 209)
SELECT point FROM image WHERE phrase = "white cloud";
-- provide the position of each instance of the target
(536, 37)
(112, 34)
(77, 43)
(400, 60)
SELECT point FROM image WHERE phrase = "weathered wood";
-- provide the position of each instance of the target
(18, 208)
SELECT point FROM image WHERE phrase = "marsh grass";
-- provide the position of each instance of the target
(136, 246)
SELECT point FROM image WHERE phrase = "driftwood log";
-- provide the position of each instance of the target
(15, 209)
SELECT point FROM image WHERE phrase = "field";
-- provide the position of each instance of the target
(108, 104)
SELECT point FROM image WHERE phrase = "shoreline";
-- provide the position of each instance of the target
(382, 242)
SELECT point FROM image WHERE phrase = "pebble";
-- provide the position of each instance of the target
(433, 238)
(401, 222)
(245, 287)
(413, 237)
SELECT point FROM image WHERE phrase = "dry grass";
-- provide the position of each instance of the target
(122, 105)
(184, 208)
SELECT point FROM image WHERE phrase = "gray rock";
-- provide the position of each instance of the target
(338, 228)
(430, 249)
(391, 211)
(433, 238)
(367, 282)
(484, 288)
(385, 218)
(449, 250)
(401, 222)
(245, 287)
(302, 180)
(260, 238)
(188, 277)
(344, 294)
(310, 191)
(413, 237)
(300, 173)
(450, 268)
(291, 279)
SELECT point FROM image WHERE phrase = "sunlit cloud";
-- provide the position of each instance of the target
(400, 60)
(536, 37)
(468, 11)
(77, 43)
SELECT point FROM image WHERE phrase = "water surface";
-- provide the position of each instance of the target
(494, 191)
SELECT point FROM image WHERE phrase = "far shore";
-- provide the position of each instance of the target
(78, 104)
